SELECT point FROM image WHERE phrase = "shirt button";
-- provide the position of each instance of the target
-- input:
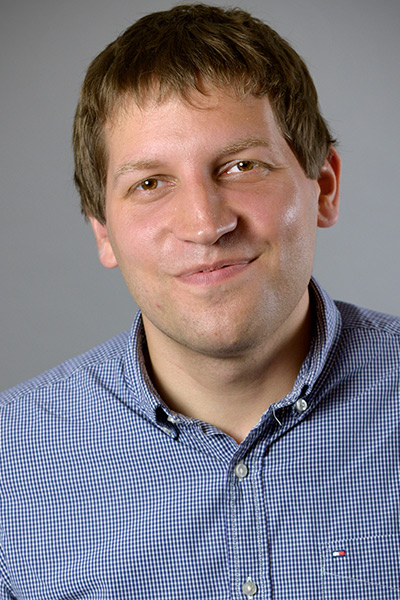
(172, 420)
(241, 471)
(301, 405)
(249, 588)
(168, 431)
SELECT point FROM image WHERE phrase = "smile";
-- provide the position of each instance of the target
(216, 273)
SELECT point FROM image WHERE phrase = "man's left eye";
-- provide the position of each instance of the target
(149, 184)
(245, 165)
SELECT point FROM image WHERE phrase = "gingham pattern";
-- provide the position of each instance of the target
(107, 495)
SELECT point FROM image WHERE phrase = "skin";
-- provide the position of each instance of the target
(212, 222)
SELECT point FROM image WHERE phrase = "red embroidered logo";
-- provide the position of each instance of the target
(339, 553)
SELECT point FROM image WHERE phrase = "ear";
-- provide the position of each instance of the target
(328, 181)
(106, 253)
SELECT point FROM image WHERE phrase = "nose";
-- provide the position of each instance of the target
(203, 215)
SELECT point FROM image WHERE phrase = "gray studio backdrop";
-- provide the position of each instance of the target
(56, 299)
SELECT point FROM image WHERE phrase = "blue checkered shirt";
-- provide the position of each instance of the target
(106, 494)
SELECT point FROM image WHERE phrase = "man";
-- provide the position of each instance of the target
(242, 440)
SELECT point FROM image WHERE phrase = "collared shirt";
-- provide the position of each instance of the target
(107, 494)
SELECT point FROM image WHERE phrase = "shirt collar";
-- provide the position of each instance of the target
(137, 378)
(327, 323)
(327, 329)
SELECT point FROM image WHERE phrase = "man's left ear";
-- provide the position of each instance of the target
(328, 181)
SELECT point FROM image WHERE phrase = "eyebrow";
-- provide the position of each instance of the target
(244, 144)
(129, 166)
(232, 148)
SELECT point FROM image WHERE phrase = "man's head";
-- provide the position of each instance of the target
(211, 220)
(205, 168)
(193, 47)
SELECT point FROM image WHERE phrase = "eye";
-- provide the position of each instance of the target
(246, 170)
(148, 184)
(150, 187)
(246, 165)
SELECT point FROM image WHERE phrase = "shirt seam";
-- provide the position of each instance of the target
(24, 396)
(380, 329)
(359, 580)
(359, 538)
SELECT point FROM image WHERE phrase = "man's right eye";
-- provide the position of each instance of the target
(151, 188)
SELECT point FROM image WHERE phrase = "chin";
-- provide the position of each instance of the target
(220, 342)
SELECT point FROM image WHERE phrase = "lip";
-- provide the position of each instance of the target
(206, 274)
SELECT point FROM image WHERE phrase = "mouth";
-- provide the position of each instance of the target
(206, 274)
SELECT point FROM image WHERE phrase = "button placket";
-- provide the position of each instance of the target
(246, 527)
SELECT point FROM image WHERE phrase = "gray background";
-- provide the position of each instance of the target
(56, 299)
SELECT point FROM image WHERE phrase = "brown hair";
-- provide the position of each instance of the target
(178, 50)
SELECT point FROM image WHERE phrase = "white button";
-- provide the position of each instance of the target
(172, 420)
(301, 405)
(241, 471)
(167, 430)
(249, 588)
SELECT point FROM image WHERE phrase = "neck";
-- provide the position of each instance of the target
(231, 393)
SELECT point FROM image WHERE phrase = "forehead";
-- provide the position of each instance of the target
(212, 112)
(201, 96)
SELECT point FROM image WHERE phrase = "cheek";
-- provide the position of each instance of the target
(301, 227)
(133, 237)
(299, 207)
(275, 216)
(286, 216)
(289, 221)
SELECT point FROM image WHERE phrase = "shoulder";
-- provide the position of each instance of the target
(71, 374)
(369, 345)
(363, 319)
